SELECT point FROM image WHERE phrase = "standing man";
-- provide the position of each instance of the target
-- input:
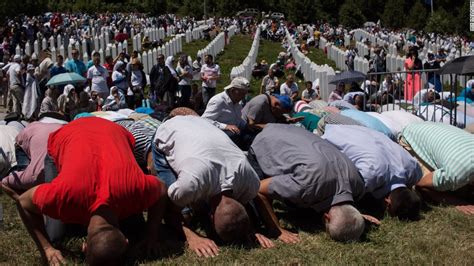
(210, 73)
(160, 76)
(76, 65)
(97, 76)
(17, 89)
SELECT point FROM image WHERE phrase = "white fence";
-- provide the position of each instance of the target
(217, 44)
(245, 69)
(310, 70)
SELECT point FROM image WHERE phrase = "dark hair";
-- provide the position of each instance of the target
(108, 57)
(405, 204)
(96, 54)
(106, 247)
(60, 56)
(309, 82)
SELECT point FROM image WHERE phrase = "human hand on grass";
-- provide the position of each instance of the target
(288, 237)
(54, 256)
(264, 241)
(203, 247)
(466, 209)
(371, 219)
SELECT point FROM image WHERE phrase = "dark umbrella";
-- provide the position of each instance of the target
(348, 77)
(463, 65)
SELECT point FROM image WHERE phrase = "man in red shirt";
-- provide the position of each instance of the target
(99, 183)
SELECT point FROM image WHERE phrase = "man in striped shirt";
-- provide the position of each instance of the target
(447, 154)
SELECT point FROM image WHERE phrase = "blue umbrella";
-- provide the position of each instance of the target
(66, 78)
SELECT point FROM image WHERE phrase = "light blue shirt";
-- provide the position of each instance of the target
(383, 164)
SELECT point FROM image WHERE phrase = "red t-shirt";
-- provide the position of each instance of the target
(96, 167)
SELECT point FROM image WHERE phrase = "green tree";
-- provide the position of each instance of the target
(417, 16)
(440, 22)
(394, 15)
(350, 15)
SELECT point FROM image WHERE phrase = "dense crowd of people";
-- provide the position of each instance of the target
(188, 154)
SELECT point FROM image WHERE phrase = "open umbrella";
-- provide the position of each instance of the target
(348, 77)
(463, 65)
(66, 78)
(369, 24)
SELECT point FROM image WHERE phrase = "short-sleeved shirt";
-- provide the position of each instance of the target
(13, 72)
(305, 169)
(34, 141)
(309, 95)
(269, 84)
(98, 75)
(210, 71)
(143, 131)
(259, 110)
(7, 148)
(76, 66)
(446, 149)
(288, 90)
(383, 164)
(185, 81)
(103, 174)
(205, 160)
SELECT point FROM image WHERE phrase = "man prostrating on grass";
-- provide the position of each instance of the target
(302, 169)
(201, 165)
(98, 184)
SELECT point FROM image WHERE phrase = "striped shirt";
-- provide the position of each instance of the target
(143, 131)
(447, 149)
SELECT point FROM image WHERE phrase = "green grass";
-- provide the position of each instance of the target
(443, 236)
(233, 55)
(193, 47)
(319, 57)
(267, 51)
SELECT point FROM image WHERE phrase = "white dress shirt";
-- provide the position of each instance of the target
(205, 160)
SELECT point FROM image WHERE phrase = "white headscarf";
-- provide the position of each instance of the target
(169, 64)
(67, 89)
(469, 83)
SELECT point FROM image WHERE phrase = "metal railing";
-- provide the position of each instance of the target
(424, 93)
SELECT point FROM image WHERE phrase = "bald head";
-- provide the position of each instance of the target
(106, 246)
(231, 221)
(344, 223)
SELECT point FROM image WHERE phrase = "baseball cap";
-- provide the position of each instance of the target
(239, 83)
(285, 101)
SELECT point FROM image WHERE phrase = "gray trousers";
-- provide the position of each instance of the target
(16, 94)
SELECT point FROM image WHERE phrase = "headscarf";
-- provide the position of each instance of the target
(169, 64)
(469, 83)
(118, 65)
(111, 95)
(67, 89)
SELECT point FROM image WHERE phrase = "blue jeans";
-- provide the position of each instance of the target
(164, 171)
(162, 167)
(207, 94)
(54, 227)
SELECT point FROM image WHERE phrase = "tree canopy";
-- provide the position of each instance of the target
(450, 16)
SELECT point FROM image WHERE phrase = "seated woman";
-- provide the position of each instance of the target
(115, 101)
(68, 101)
(446, 154)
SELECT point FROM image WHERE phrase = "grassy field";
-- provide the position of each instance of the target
(442, 236)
